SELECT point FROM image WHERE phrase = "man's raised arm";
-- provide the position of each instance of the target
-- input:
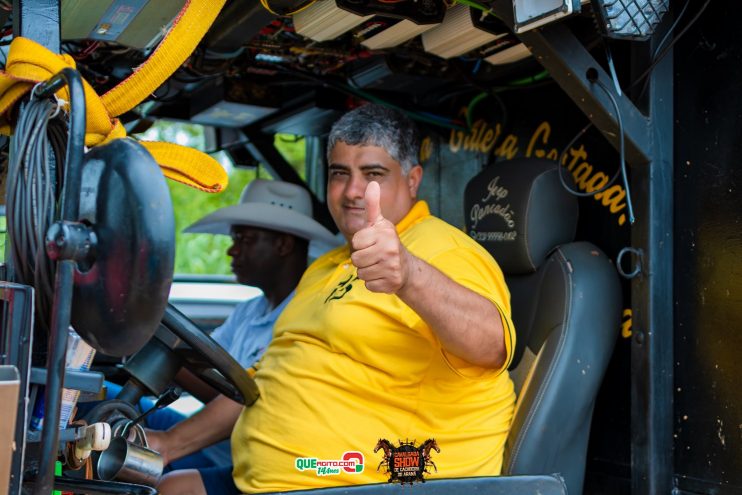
(467, 324)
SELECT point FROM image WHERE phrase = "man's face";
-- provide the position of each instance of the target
(351, 169)
(254, 255)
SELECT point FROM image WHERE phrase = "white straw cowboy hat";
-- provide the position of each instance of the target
(272, 205)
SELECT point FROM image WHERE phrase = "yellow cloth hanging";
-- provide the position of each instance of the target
(29, 63)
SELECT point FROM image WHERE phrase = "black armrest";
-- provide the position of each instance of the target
(490, 485)
(98, 487)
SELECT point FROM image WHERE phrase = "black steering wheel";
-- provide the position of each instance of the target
(208, 360)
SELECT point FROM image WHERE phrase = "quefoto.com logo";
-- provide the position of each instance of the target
(350, 462)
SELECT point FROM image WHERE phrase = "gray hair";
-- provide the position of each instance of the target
(376, 125)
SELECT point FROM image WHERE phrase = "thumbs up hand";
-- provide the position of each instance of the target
(378, 254)
(372, 202)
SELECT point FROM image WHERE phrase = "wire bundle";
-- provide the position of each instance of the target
(33, 182)
(659, 53)
(287, 12)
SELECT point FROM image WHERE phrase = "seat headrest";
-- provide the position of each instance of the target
(519, 211)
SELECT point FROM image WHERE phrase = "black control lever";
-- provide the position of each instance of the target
(168, 397)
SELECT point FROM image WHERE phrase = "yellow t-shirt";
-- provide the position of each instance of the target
(348, 367)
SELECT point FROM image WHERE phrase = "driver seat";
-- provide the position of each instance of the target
(566, 303)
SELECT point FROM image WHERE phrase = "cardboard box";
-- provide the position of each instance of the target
(9, 386)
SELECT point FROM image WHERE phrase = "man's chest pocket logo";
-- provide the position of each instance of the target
(342, 288)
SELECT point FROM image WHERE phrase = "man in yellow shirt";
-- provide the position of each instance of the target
(403, 333)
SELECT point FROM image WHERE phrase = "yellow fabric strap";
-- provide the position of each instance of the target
(28, 63)
(188, 28)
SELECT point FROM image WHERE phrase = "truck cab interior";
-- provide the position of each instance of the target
(611, 125)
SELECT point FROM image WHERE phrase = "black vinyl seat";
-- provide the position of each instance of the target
(566, 304)
(566, 301)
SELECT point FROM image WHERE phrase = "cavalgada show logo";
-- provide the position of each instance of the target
(350, 462)
(406, 462)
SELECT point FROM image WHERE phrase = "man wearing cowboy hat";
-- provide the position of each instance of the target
(271, 229)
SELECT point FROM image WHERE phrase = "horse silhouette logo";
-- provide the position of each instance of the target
(406, 462)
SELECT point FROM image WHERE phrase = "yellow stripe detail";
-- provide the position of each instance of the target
(267, 7)
(28, 63)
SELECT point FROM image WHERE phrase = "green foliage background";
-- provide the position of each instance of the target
(206, 253)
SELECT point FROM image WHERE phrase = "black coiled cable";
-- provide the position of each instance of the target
(31, 202)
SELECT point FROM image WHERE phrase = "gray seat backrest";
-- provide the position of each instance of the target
(566, 301)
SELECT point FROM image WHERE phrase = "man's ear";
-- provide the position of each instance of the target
(285, 244)
(414, 177)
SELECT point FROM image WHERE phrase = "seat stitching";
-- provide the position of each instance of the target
(550, 372)
(525, 219)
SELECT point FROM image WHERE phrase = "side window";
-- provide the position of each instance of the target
(205, 254)
(204, 286)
